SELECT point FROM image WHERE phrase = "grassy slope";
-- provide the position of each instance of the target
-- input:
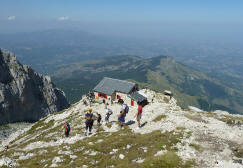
(189, 86)
(105, 157)
(141, 146)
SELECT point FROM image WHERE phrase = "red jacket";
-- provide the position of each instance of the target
(65, 126)
(140, 110)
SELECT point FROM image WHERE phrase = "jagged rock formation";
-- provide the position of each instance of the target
(24, 94)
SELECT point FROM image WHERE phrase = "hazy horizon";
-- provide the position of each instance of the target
(216, 20)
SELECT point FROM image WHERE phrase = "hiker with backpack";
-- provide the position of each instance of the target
(123, 112)
(89, 121)
(66, 129)
(98, 119)
(107, 115)
(90, 101)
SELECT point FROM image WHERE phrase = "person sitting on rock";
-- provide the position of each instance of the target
(89, 121)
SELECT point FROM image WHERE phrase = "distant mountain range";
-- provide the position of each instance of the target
(45, 50)
(189, 86)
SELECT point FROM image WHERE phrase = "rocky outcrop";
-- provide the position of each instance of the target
(169, 137)
(24, 94)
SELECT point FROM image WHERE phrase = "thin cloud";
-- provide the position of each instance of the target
(11, 17)
(63, 18)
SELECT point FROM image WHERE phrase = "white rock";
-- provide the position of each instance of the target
(57, 160)
(41, 144)
(73, 156)
(195, 109)
(18, 154)
(160, 152)
(128, 146)
(53, 165)
(5, 161)
(93, 153)
(100, 140)
(43, 160)
(140, 160)
(91, 143)
(121, 156)
(42, 151)
(25, 157)
(64, 152)
(115, 150)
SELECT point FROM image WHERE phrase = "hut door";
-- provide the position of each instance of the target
(132, 102)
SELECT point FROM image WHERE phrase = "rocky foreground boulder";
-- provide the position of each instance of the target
(24, 94)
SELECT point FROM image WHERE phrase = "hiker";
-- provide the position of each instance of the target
(89, 121)
(98, 119)
(6, 147)
(85, 102)
(123, 112)
(67, 129)
(107, 115)
(92, 95)
(90, 101)
(139, 114)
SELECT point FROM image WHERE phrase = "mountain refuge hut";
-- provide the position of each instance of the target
(115, 89)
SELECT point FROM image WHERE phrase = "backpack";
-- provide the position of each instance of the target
(68, 127)
(126, 108)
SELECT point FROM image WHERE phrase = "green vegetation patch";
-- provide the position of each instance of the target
(42, 132)
(109, 125)
(4, 127)
(36, 126)
(232, 120)
(97, 101)
(159, 117)
(168, 160)
(166, 100)
(239, 153)
(196, 118)
(40, 160)
(197, 147)
(103, 144)
(152, 142)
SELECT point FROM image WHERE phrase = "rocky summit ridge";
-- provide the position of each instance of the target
(24, 94)
(169, 137)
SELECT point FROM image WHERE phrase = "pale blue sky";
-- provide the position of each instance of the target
(104, 16)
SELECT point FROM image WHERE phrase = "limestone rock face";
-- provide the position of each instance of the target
(24, 94)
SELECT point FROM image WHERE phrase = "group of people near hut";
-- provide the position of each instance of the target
(90, 117)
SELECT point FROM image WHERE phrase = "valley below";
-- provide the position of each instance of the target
(189, 86)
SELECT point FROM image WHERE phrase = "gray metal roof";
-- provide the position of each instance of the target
(110, 85)
(137, 97)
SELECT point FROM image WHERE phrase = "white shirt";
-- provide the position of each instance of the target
(123, 107)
